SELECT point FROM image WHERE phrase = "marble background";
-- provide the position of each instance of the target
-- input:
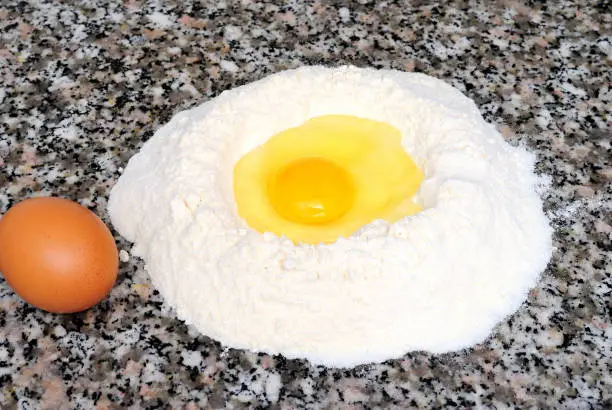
(84, 84)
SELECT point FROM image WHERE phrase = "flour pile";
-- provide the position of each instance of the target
(437, 281)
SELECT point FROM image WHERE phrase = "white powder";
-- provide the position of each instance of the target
(437, 281)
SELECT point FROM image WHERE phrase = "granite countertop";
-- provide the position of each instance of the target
(84, 84)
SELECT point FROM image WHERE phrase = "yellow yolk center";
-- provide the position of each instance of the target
(311, 191)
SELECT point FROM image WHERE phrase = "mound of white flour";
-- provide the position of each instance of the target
(436, 281)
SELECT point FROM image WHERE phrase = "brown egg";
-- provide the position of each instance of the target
(57, 255)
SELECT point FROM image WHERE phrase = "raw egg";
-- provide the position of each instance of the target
(326, 178)
(57, 255)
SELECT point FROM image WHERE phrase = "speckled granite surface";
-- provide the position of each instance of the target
(84, 84)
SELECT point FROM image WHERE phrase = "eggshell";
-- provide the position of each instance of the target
(57, 255)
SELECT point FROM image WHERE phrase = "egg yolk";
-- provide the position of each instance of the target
(311, 191)
(325, 179)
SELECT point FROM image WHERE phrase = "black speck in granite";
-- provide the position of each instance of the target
(85, 84)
